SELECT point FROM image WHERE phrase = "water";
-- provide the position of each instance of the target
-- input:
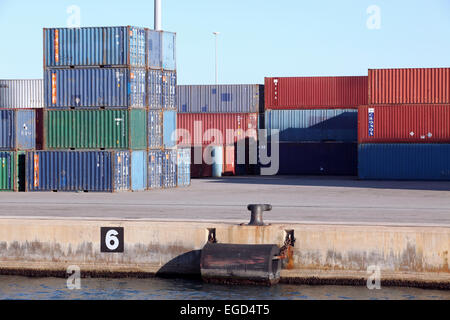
(12, 287)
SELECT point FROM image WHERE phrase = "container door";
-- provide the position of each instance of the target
(121, 171)
(7, 130)
(138, 171)
(169, 51)
(155, 129)
(26, 129)
(169, 128)
(154, 49)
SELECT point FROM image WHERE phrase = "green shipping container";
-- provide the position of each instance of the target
(7, 171)
(95, 129)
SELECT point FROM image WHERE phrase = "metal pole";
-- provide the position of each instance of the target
(217, 65)
(158, 15)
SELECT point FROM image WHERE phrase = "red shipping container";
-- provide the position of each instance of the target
(229, 161)
(242, 126)
(409, 86)
(315, 93)
(404, 124)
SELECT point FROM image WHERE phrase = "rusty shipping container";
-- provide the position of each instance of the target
(404, 124)
(409, 86)
(315, 92)
(218, 129)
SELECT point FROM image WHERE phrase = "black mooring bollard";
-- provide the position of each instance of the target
(257, 213)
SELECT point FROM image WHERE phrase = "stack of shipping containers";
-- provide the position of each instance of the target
(404, 132)
(221, 122)
(21, 103)
(316, 119)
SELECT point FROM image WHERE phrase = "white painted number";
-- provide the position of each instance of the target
(112, 243)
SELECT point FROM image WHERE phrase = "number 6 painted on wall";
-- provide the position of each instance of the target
(112, 243)
(112, 240)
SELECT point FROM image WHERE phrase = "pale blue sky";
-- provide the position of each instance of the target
(258, 38)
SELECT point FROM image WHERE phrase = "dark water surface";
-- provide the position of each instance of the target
(12, 287)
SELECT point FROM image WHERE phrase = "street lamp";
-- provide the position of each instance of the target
(217, 71)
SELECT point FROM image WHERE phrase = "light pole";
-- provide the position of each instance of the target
(217, 68)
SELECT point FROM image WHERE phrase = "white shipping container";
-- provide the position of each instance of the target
(22, 94)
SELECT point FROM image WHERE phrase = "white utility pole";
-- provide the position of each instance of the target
(158, 24)
(217, 66)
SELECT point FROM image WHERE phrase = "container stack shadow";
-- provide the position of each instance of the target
(404, 131)
(220, 125)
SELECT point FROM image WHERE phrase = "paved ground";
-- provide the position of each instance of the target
(296, 199)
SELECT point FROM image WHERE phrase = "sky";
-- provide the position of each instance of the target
(258, 38)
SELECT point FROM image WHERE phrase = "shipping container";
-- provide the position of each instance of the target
(409, 86)
(72, 171)
(154, 49)
(18, 94)
(404, 124)
(404, 161)
(7, 171)
(220, 99)
(155, 129)
(95, 129)
(121, 170)
(217, 129)
(154, 89)
(97, 88)
(169, 90)
(199, 168)
(169, 129)
(229, 163)
(139, 170)
(169, 169)
(20, 129)
(169, 61)
(313, 125)
(95, 46)
(313, 158)
(315, 92)
(184, 167)
(155, 169)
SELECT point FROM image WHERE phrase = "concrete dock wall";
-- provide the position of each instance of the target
(416, 256)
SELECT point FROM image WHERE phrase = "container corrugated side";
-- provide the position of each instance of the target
(316, 92)
(217, 129)
(18, 94)
(95, 129)
(169, 61)
(220, 98)
(154, 49)
(104, 87)
(139, 170)
(155, 169)
(184, 167)
(95, 46)
(409, 86)
(154, 89)
(169, 169)
(404, 124)
(70, 171)
(404, 161)
(169, 90)
(313, 125)
(7, 129)
(314, 158)
(155, 129)
(7, 171)
(122, 175)
(169, 129)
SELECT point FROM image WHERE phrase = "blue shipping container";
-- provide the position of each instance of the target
(184, 167)
(74, 171)
(404, 161)
(104, 87)
(169, 90)
(154, 89)
(313, 125)
(169, 128)
(18, 129)
(169, 178)
(311, 158)
(121, 171)
(154, 49)
(155, 169)
(169, 61)
(220, 99)
(155, 125)
(95, 46)
(139, 170)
